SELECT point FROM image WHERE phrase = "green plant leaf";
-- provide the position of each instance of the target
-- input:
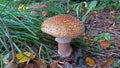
(103, 36)
(111, 47)
(98, 48)
(84, 18)
(77, 9)
(96, 39)
(116, 63)
(107, 36)
(91, 6)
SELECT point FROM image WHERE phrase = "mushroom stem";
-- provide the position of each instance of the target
(64, 48)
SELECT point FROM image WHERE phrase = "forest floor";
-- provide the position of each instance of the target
(98, 22)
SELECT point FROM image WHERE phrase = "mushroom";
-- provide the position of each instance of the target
(64, 28)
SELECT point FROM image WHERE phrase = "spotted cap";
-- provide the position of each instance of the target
(63, 26)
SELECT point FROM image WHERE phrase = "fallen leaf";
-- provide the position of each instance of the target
(21, 7)
(85, 38)
(20, 18)
(90, 61)
(36, 64)
(104, 44)
(112, 11)
(113, 16)
(42, 6)
(111, 28)
(44, 12)
(95, 12)
(24, 57)
(108, 62)
(54, 64)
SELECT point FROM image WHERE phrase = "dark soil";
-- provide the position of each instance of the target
(102, 23)
(98, 23)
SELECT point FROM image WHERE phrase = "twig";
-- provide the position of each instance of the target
(40, 49)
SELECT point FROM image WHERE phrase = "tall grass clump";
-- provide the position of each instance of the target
(24, 29)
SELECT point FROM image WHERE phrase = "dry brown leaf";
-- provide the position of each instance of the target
(36, 64)
(20, 18)
(108, 62)
(90, 61)
(44, 12)
(104, 44)
(113, 16)
(95, 12)
(85, 38)
(54, 64)
(112, 12)
(111, 28)
(42, 6)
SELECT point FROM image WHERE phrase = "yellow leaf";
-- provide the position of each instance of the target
(21, 7)
(95, 12)
(113, 17)
(90, 61)
(24, 57)
(112, 12)
(111, 28)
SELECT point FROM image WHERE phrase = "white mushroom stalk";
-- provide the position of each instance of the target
(64, 48)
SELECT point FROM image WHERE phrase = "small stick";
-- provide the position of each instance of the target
(40, 49)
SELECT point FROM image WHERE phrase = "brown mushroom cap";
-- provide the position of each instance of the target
(63, 26)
